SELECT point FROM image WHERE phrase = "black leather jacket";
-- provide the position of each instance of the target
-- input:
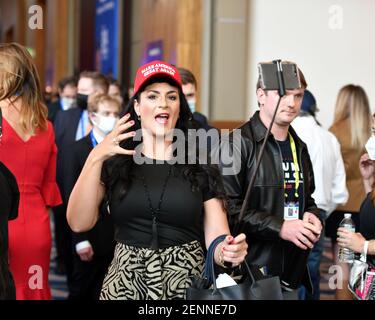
(264, 216)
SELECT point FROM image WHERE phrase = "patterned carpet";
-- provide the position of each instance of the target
(325, 292)
(57, 282)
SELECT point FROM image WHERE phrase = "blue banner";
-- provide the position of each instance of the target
(106, 37)
(154, 51)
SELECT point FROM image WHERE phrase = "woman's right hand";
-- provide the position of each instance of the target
(367, 169)
(351, 240)
(232, 250)
(110, 146)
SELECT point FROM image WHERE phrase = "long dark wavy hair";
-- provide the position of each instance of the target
(116, 173)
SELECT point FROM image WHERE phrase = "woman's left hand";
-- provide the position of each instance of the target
(233, 250)
(350, 240)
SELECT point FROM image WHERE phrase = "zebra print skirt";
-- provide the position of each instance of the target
(145, 274)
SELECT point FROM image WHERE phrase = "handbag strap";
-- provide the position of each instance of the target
(210, 264)
(363, 256)
(210, 258)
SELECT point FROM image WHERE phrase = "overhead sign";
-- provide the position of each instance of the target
(154, 51)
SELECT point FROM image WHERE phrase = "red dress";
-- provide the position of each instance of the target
(33, 163)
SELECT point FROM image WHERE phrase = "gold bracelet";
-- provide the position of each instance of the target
(221, 259)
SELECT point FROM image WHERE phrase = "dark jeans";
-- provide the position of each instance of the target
(313, 262)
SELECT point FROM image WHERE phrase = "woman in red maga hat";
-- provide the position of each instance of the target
(161, 210)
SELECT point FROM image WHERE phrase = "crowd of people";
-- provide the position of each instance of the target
(131, 229)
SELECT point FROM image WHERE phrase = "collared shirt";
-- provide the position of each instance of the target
(328, 165)
(82, 125)
(97, 136)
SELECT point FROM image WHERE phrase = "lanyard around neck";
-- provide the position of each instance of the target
(155, 212)
(296, 166)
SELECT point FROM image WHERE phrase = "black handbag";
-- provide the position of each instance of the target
(253, 285)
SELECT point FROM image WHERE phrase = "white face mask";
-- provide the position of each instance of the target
(192, 106)
(370, 147)
(67, 103)
(105, 124)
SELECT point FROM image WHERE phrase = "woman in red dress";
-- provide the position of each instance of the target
(27, 148)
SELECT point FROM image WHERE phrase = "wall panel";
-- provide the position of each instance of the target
(177, 23)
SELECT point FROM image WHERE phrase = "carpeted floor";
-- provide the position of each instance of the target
(325, 292)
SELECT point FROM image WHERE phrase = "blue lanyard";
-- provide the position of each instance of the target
(93, 140)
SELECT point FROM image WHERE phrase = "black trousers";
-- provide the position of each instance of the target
(63, 240)
(87, 279)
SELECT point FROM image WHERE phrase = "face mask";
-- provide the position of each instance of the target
(67, 103)
(370, 147)
(192, 106)
(82, 101)
(105, 124)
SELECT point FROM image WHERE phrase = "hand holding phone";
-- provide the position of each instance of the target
(269, 80)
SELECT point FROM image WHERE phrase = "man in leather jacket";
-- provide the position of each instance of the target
(281, 222)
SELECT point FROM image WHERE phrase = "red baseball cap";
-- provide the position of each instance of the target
(155, 69)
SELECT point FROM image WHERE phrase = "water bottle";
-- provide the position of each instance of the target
(346, 255)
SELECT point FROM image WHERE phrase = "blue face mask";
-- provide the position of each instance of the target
(192, 106)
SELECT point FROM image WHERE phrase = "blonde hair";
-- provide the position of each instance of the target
(353, 105)
(19, 77)
(96, 99)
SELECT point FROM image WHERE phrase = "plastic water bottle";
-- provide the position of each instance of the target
(345, 254)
